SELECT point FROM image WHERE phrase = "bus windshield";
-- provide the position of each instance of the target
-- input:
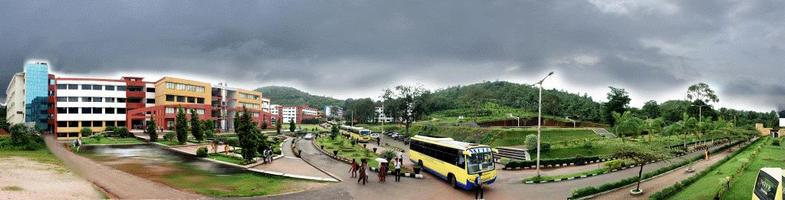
(480, 162)
(765, 187)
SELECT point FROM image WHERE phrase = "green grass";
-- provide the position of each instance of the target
(346, 150)
(707, 186)
(111, 140)
(227, 158)
(769, 156)
(40, 155)
(565, 176)
(241, 184)
(309, 127)
(517, 136)
(169, 143)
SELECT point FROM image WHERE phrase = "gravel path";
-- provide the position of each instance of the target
(115, 182)
(22, 178)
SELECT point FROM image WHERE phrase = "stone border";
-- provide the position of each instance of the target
(347, 161)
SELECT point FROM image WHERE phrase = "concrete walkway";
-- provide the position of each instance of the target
(117, 183)
(292, 166)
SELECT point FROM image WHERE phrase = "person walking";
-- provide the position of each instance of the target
(363, 173)
(382, 172)
(270, 155)
(478, 193)
(353, 169)
(398, 169)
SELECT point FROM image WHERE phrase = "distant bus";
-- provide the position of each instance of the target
(459, 163)
(358, 133)
(768, 184)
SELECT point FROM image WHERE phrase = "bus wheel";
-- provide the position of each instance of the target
(451, 180)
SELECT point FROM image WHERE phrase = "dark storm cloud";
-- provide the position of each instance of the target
(323, 45)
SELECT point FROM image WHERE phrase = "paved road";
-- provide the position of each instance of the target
(119, 184)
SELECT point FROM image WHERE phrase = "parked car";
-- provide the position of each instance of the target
(308, 136)
(394, 135)
(375, 135)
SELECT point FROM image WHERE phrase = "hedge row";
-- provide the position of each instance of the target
(554, 162)
(586, 191)
(675, 188)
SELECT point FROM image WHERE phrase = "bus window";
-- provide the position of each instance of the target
(480, 162)
(765, 186)
(461, 162)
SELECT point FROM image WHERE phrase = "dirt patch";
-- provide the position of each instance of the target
(26, 179)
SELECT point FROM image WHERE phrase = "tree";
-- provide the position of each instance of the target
(278, 126)
(474, 97)
(654, 126)
(412, 103)
(151, 129)
(292, 126)
(3, 121)
(209, 128)
(196, 126)
(334, 132)
(651, 110)
(360, 110)
(264, 124)
(627, 125)
(702, 92)
(181, 126)
(236, 119)
(618, 101)
(84, 132)
(247, 136)
(639, 154)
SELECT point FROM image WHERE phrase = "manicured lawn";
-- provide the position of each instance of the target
(769, 156)
(517, 136)
(346, 150)
(227, 158)
(111, 140)
(240, 184)
(571, 152)
(707, 186)
(308, 127)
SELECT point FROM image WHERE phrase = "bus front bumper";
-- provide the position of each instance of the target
(470, 184)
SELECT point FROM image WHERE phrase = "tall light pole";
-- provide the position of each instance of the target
(539, 122)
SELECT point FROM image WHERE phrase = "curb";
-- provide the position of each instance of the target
(347, 161)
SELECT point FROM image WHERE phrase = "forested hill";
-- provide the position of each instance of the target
(519, 96)
(289, 96)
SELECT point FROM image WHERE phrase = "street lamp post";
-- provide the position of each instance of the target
(516, 118)
(539, 122)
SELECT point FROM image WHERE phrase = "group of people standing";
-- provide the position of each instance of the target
(360, 170)
(267, 155)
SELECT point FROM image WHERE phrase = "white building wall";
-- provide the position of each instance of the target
(80, 93)
(289, 113)
(15, 99)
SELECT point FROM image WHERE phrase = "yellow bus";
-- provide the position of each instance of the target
(459, 163)
(360, 134)
(768, 184)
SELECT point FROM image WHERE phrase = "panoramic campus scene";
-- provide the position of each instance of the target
(377, 100)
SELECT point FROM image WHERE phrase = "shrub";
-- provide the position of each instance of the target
(614, 164)
(86, 132)
(388, 154)
(25, 138)
(169, 136)
(587, 145)
(545, 147)
(775, 143)
(201, 152)
(123, 132)
(531, 142)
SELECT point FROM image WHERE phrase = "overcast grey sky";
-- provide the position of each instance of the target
(654, 49)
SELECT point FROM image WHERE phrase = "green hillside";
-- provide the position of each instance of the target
(289, 96)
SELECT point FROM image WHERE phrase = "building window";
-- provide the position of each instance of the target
(110, 123)
(120, 88)
(121, 123)
(98, 123)
(73, 99)
(120, 100)
(98, 99)
(169, 110)
(98, 87)
(109, 110)
(170, 98)
(200, 100)
(87, 87)
(150, 89)
(109, 87)
(62, 99)
(151, 101)
(73, 124)
(62, 110)
(191, 100)
(109, 99)
(181, 99)
(73, 110)
(73, 86)
(86, 124)
(120, 110)
(87, 99)
(97, 110)
(62, 87)
(87, 110)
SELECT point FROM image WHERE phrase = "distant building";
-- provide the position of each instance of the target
(296, 113)
(380, 116)
(28, 96)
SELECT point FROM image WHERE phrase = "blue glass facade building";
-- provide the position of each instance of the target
(36, 93)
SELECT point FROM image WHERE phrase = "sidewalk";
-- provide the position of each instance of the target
(654, 185)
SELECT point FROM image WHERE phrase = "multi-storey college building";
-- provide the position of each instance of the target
(296, 113)
(65, 105)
